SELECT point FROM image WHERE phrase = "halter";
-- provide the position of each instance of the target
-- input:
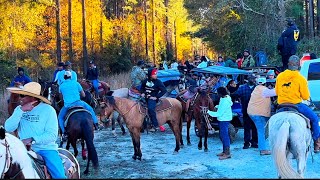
(8, 162)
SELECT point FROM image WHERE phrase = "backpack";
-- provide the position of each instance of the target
(261, 58)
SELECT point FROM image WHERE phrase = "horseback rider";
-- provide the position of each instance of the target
(60, 67)
(71, 91)
(137, 75)
(291, 87)
(21, 79)
(92, 76)
(37, 125)
(60, 75)
(153, 89)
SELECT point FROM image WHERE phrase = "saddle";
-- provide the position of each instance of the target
(72, 110)
(162, 105)
(91, 88)
(288, 107)
(134, 92)
(40, 167)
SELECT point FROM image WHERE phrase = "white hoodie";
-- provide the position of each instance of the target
(224, 112)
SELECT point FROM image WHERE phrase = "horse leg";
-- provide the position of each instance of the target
(74, 145)
(115, 115)
(84, 150)
(121, 125)
(198, 124)
(175, 129)
(134, 156)
(206, 140)
(136, 139)
(188, 129)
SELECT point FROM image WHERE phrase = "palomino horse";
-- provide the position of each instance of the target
(134, 113)
(289, 134)
(17, 163)
(79, 125)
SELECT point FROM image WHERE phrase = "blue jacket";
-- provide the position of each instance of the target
(24, 79)
(288, 41)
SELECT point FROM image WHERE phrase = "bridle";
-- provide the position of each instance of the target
(8, 162)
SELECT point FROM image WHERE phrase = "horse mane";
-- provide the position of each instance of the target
(109, 93)
(2, 133)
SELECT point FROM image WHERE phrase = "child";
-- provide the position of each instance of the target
(224, 116)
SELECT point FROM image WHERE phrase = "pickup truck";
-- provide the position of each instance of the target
(311, 71)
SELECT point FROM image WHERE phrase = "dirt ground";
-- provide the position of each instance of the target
(158, 160)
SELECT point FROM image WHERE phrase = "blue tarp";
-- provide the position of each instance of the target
(220, 70)
(170, 74)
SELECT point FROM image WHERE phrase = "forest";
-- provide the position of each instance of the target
(37, 34)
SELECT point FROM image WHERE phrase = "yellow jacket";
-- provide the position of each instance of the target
(291, 87)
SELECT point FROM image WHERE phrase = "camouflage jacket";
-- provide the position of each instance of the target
(137, 75)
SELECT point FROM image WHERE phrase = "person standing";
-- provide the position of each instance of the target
(250, 130)
(248, 60)
(224, 116)
(287, 42)
(92, 76)
(153, 89)
(37, 125)
(259, 110)
(291, 87)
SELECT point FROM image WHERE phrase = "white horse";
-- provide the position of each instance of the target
(15, 162)
(289, 136)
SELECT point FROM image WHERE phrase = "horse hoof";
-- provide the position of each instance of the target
(134, 157)
(200, 148)
(189, 144)
(175, 152)
(86, 172)
(206, 150)
(84, 157)
(139, 158)
(181, 146)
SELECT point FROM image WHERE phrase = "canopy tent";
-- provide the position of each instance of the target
(221, 70)
(169, 74)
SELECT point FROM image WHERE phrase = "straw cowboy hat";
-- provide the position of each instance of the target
(30, 89)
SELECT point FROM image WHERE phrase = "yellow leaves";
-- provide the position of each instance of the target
(232, 14)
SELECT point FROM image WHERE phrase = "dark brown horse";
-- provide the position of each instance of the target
(80, 126)
(104, 87)
(133, 115)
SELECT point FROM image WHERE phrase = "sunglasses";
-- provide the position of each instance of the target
(22, 96)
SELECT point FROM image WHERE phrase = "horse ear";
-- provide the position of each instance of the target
(2, 132)
(109, 93)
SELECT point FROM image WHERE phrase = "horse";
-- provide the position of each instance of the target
(79, 125)
(289, 135)
(14, 100)
(103, 87)
(17, 163)
(134, 113)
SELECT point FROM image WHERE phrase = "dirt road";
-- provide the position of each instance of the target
(158, 160)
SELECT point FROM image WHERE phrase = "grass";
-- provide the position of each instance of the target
(115, 81)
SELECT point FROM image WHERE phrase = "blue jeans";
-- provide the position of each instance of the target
(53, 163)
(95, 84)
(224, 134)
(260, 122)
(250, 130)
(64, 111)
(152, 112)
(314, 121)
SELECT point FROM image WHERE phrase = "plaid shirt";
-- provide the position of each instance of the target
(244, 93)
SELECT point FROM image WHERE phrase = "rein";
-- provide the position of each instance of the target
(8, 161)
(129, 108)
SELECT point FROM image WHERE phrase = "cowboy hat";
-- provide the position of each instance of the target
(30, 89)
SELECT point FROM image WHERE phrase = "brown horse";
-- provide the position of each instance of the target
(80, 126)
(133, 115)
(103, 87)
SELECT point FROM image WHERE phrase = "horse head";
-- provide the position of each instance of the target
(108, 105)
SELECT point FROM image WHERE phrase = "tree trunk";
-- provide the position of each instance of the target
(168, 33)
(307, 17)
(70, 29)
(146, 27)
(58, 29)
(153, 34)
(84, 37)
(318, 17)
(175, 41)
(311, 11)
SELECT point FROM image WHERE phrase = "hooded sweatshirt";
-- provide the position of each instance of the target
(224, 112)
(291, 87)
(153, 87)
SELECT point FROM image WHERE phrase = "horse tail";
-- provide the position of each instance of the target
(88, 137)
(279, 153)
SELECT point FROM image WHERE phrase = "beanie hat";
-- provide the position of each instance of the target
(271, 72)
(20, 69)
(141, 62)
(247, 50)
(262, 80)
(154, 72)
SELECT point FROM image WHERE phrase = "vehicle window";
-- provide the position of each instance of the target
(314, 71)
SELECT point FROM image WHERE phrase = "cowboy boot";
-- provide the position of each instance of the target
(226, 155)
(317, 146)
